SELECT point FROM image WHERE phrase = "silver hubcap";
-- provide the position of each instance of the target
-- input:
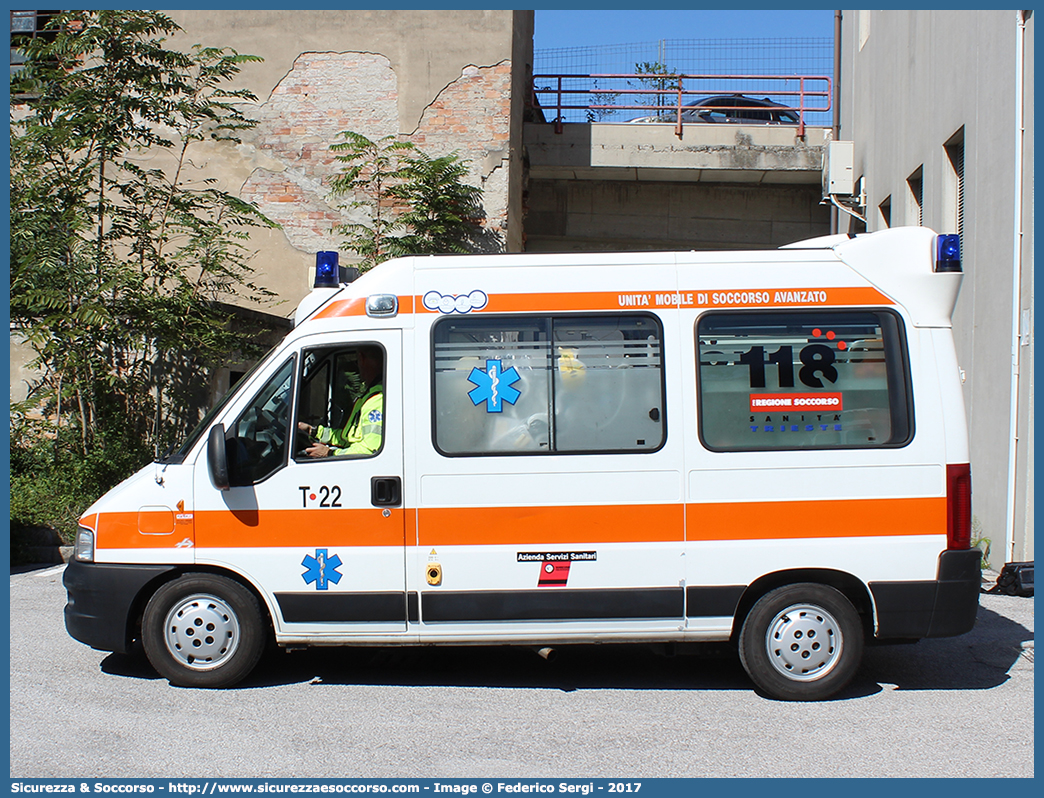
(804, 642)
(202, 632)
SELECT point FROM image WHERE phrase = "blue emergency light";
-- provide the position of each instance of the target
(948, 253)
(327, 270)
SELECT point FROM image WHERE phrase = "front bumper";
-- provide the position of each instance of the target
(101, 599)
(945, 607)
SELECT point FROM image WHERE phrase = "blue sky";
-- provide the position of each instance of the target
(582, 28)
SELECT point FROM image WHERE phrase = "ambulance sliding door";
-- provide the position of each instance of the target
(549, 497)
(322, 536)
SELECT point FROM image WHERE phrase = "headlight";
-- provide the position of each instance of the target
(84, 545)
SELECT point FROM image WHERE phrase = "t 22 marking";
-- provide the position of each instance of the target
(323, 496)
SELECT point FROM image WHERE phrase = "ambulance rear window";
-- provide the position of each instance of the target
(537, 385)
(802, 380)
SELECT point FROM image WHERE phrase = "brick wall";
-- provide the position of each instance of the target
(325, 94)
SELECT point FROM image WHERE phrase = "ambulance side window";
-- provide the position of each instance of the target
(802, 380)
(313, 398)
(340, 402)
(562, 384)
(608, 384)
(330, 382)
(256, 442)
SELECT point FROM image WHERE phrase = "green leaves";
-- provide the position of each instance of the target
(661, 79)
(121, 249)
(443, 214)
(407, 202)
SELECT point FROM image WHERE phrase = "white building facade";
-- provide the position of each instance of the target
(939, 105)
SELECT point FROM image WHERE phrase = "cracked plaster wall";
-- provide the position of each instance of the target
(325, 94)
(442, 79)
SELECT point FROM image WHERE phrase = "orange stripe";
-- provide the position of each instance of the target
(840, 518)
(328, 527)
(632, 300)
(518, 303)
(156, 522)
(662, 523)
(411, 527)
(269, 528)
(666, 300)
(120, 531)
(525, 526)
(343, 307)
(357, 307)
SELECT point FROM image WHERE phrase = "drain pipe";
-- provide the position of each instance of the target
(1016, 289)
(835, 217)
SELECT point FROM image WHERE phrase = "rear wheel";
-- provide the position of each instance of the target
(203, 630)
(802, 642)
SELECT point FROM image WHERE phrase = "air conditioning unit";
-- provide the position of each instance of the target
(839, 169)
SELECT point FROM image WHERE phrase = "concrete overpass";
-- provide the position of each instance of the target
(606, 186)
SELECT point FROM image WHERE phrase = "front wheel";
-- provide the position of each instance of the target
(802, 642)
(202, 630)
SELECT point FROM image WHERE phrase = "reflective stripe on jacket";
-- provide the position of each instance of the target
(362, 433)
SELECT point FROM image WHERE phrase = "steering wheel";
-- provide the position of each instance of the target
(302, 441)
(263, 419)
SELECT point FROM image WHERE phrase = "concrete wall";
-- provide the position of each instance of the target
(599, 215)
(910, 81)
(711, 153)
(447, 80)
(641, 187)
(22, 377)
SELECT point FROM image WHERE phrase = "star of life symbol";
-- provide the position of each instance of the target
(322, 569)
(494, 386)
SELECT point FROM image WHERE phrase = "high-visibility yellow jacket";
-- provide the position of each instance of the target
(362, 434)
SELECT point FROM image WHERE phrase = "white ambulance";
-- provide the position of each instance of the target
(765, 447)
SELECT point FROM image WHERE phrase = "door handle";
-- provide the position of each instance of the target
(385, 491)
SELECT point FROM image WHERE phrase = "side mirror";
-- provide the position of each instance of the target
(217, 460)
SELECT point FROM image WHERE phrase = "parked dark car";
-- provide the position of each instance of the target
(730, 109)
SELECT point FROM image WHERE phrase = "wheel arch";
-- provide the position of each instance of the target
(141, 600)
(850, 586)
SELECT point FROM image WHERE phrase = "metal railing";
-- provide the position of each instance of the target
(665, 98)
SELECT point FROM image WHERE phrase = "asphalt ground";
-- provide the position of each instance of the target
(954, 707)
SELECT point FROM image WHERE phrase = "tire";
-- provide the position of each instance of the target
(823, 636)
(202, 630)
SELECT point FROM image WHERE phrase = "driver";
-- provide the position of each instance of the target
(362, 434)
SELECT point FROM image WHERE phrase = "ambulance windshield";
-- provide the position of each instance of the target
(176, 454)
